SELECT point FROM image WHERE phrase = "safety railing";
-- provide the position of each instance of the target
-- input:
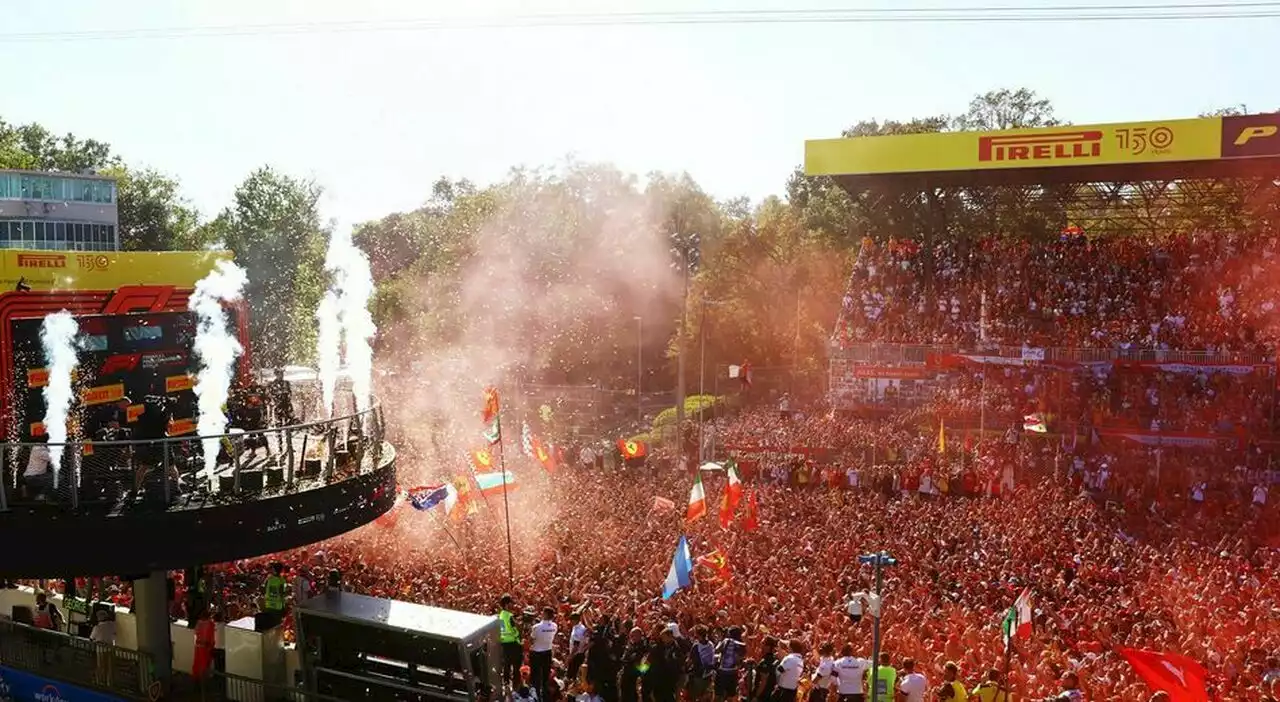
(120, 476)
(225, 687)
(919, 354)
(75, 660)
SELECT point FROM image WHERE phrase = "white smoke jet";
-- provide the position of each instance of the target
(353, 283)
(328, 348)
(58, 337)
(218, 349)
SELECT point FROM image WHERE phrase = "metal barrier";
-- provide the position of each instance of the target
(114, 477)
(225, 687)
(78, 661)
(918, 354)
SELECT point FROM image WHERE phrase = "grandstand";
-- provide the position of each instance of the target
(1140, 247)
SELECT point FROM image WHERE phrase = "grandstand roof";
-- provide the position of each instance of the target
(1203, 148)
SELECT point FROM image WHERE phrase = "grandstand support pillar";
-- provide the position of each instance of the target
(151, 607)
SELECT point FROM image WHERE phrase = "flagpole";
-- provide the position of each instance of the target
(476, 483)
(448, 533)
(506, 506)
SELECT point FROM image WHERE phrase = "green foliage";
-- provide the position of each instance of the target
(32, 147)
(153, 215)
(274, 229)
(693, 406)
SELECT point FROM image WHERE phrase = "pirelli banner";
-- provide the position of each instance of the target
(1132, 143)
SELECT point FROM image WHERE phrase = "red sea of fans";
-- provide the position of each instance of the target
(1122, 543)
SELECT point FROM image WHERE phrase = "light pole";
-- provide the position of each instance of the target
(874, 601)
(639, 366)
(702, 381)
(685, 250)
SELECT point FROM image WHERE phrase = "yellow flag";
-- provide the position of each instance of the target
(942, 436)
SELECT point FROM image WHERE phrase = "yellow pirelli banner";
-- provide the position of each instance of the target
(107, 270)
(179, 383)
(1168, 141)
(102, 394)
(179, 427)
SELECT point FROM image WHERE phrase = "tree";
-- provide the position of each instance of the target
(774, 286)
(153, 215)
(274, 229)
(1007, 109)
(843, 219)
(32, 147)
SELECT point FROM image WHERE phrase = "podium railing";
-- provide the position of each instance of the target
(170, 473)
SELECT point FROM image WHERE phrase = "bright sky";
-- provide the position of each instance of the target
(376, 117)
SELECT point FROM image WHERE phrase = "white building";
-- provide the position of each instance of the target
(57, 211)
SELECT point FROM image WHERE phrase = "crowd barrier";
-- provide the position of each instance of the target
(70, 660)
(225, 687)
(919, 354)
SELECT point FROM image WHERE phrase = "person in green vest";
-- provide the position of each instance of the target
(951, 687)
(992, 690)
(273, 599)
(512, 649)
(886, 679)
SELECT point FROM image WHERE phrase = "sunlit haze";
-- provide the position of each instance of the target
(375, 117)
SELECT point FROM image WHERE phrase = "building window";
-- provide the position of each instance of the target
(55, 189)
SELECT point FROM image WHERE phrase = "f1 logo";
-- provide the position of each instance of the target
(1251, 135)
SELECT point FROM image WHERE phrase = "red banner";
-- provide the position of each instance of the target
(892, 372)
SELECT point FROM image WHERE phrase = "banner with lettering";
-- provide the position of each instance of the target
(1192, 367)
(1177, 440)
(21, 686)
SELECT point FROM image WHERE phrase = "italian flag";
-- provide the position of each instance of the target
(734, 490)
(697, 500)
(1017, 623)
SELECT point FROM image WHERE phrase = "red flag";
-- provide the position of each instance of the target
(466, 502)
(544, 455)
(490, 409)
(726, 511)
(1181, 677)
(632, 448)
(752, 520)
(716, 561)
(483, 460)
(733, 489)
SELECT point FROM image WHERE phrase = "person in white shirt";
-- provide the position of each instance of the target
(542, 640)
(822, 677)
(104, 632)
(913, 686)
(789, 670)
(579, 637)
(849, 673)
(37, 478)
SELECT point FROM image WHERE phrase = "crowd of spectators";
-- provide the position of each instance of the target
(1121, 542)
(1111, 562)
(1193, 291)
(1194, 399)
